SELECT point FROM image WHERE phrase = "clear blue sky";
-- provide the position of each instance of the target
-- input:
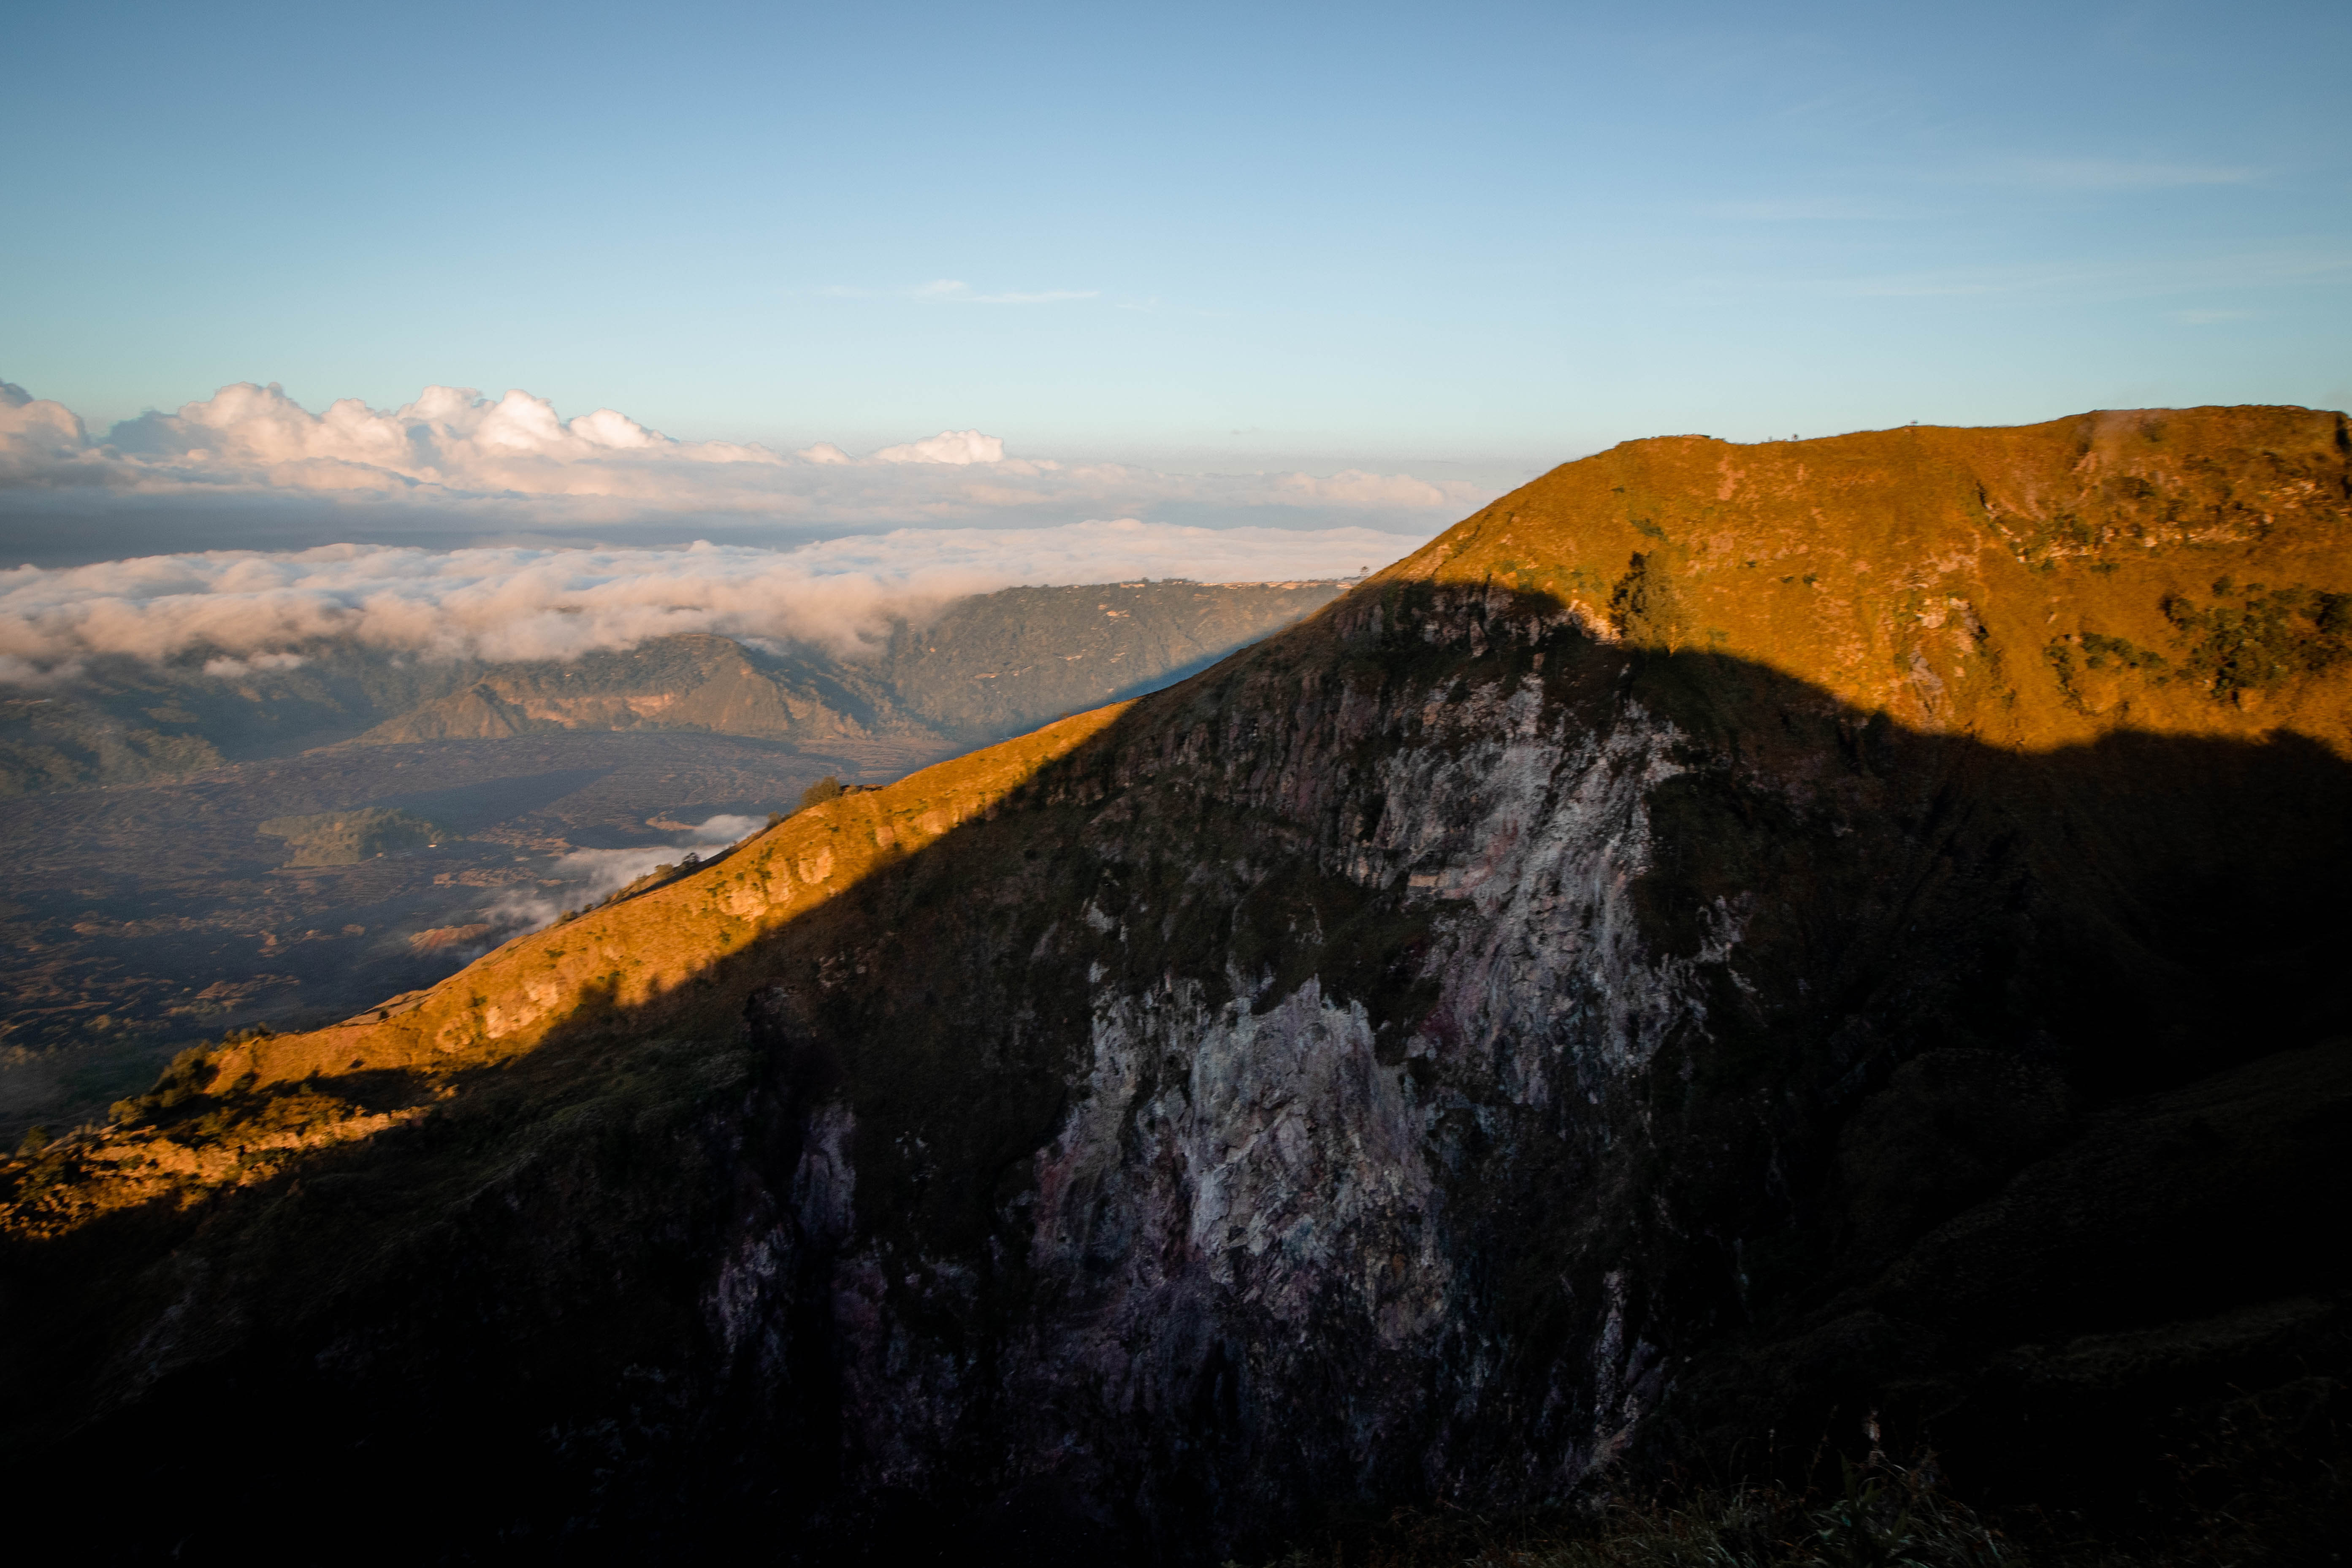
(1472, 233)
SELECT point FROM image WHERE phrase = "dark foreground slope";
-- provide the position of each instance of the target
(1728, 950)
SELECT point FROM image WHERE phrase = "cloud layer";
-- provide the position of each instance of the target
(246, 611)
(514, 465)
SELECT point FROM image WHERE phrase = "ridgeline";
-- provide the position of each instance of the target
(1733, 960)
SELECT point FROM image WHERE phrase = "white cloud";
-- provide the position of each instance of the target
(725, 829)
(955, 291)
(450, 437)
(959, 447)
(607, 871)
(226, 668)
(41, 442)
(469, 466)
(255, 610)
(1807, 209)
(950, 289)
(597, 874)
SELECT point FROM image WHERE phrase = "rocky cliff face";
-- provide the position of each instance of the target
(1728, 943)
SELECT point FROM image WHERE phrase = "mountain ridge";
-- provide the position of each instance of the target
(1491, 1039)
(2111, 526)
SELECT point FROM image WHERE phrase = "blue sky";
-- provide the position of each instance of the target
(1440, 239)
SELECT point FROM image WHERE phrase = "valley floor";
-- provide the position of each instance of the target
(142, 919)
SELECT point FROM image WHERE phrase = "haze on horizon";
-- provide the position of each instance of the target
(1457, 244)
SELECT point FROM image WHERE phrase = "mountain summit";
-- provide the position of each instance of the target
(1731, 956)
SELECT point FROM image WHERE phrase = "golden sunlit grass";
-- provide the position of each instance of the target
(2187, 573)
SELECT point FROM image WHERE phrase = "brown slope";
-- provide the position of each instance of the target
(642, 956)
(637, 959)
(2174, 571)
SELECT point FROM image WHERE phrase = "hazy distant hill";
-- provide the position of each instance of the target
(985, 667)
(125, 720)
(693, 682)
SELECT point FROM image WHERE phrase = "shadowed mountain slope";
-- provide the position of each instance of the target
(996, 664)
(1579, 1005)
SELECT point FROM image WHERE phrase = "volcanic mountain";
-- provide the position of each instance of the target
(1731, 956)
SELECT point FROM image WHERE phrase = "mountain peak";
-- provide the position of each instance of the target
(2179, 571)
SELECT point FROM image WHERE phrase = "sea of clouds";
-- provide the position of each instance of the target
(512, 463)
(816, 545)
(248, 610)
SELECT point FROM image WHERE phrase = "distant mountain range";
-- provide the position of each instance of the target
(984, 667)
